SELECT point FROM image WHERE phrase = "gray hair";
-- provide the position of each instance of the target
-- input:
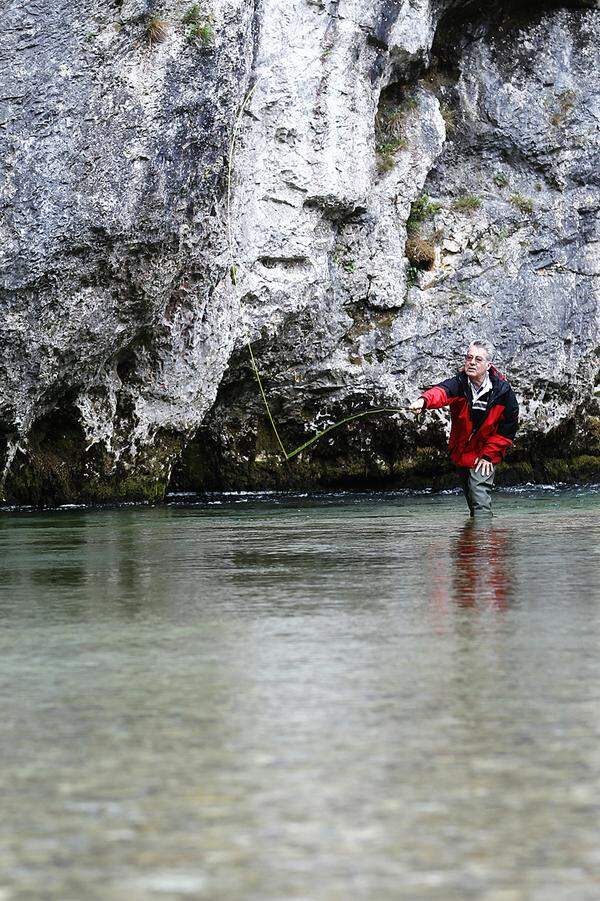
(487, 346)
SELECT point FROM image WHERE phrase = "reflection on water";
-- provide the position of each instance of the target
(483, 566)
(339, 698)
(475, 568)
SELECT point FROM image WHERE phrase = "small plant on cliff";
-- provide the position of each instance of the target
(192, 16)
(199, 26)
(203, 34)
(524, 204)
(412, 275)
(344, 262)
(421, 210)
(500, 179)
(566, 103)
(386, 153)
(389, 127)
(467, 203)
(156, 31)
(449, 117)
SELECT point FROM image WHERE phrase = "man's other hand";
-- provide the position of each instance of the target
(417, 405)
(483, 466)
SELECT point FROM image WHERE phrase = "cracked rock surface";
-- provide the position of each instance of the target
(408, 176)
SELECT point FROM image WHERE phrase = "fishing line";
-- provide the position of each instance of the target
(287, 455)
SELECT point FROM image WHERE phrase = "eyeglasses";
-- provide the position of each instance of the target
(470, 357)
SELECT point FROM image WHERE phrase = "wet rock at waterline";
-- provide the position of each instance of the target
(408, 175)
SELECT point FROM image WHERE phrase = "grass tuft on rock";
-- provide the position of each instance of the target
(199, 26)
(421, 210)
(193, 15)
(386, 153)
(467, 203)
(157, 31)
(390, 126)
(420, 252)
(524, 204)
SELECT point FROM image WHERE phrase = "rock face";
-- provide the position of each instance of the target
(115, 328)
(408, 175)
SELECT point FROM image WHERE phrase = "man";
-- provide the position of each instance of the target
(484, 414)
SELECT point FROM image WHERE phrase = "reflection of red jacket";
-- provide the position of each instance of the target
(492, 438)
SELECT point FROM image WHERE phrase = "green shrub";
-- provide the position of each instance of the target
(200, 33)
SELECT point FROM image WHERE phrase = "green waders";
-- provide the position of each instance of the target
(477, 489)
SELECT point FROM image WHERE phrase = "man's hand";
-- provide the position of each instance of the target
(483, 466)
(417, 405)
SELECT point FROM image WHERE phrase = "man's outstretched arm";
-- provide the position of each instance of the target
(438, 396)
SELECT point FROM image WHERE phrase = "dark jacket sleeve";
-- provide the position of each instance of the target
(442, 393)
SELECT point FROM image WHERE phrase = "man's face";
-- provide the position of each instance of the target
(476, 362)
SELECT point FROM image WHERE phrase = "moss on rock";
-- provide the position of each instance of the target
(57, 468)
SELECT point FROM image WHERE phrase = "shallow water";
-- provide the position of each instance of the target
(336, 697)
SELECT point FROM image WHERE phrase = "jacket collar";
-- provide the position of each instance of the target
(499, 383)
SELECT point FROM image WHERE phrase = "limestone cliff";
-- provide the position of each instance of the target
(408, 175)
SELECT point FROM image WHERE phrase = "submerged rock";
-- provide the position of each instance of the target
(371, 123)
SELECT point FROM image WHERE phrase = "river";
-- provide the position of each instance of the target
(346, 696)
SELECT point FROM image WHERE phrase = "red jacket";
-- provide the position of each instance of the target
(495, 433)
